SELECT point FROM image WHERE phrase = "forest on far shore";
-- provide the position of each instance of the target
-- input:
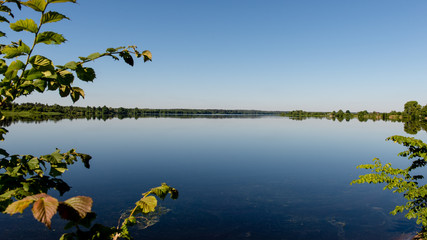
(414, 115)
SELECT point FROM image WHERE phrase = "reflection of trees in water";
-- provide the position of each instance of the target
(410, 127)
(413, 127)
(8, 121)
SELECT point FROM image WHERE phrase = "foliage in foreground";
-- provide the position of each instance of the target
(77, 211)
(26, 178)
(405, 181)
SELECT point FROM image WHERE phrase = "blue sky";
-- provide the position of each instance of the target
(314, 55)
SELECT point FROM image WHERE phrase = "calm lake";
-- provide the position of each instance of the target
(238, 178)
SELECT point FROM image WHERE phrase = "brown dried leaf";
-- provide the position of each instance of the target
(81, 204)
(44, 209)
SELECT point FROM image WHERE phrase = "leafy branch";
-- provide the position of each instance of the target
(77, 211)
(24, 178)
(403, 180)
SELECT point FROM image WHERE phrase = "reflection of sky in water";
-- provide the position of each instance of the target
(265, 178)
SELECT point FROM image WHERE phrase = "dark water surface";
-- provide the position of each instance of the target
(261, 178)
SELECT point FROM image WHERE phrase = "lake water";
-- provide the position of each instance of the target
(238, 178)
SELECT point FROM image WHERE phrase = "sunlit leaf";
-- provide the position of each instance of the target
(44, 209)
(147, 204)
(50, 38)
(26, 25)
(51, 16)
(40, 85)
(15, 51)
(18, 206)
(37, 5)
(16, 65)
(33, 164)
(147, 56)
(82, 204)
(94, 56)
(8, 194)
(161, 191)
(40, 61)
(33, 74)
(68, 236)
(60, 1)
(71, 65)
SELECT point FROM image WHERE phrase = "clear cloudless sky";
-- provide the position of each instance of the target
(313, 55)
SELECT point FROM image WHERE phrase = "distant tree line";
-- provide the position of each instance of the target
(414, 116)
(44, 111)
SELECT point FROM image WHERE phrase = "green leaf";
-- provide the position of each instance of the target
(85, 73)
(64, 90)
(61, 1)
(2, 34)
(3, 131)
(76, 92)
(41, 63)
(15, 51)
(85, 159)
(52, 16)
(8, 195)
(50, 38)
(161, 191)
(40, 85)
(110, 50)
(26, 25)
(6, 9)
(33, 164)
(94, 56)
(126, 57)
(147, 204)
(33, 74)
(71, 65)
(13, 69)
(37, 5)
(65, 77)
(68, 236)
(3, 19)
(3, 66)
(16, 65)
